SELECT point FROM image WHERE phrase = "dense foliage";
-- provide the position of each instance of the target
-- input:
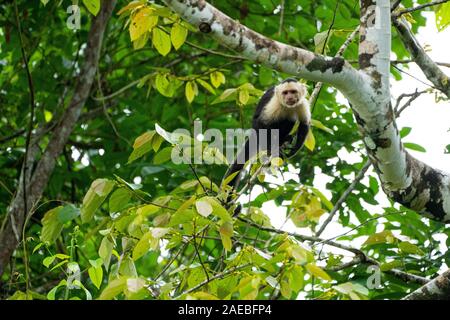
(120, 220)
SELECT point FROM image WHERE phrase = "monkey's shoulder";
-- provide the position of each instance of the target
(266, 97)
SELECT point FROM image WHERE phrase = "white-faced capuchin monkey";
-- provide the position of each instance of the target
(277, 111)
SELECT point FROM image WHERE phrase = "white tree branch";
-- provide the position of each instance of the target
(261, 49)
(430, 68)
(404, 178)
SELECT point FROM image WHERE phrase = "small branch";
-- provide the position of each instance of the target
(420, 7)
(413, 96)
(363, 257)
(344, 197)
(194, 242)
(282, 4)
(217, 276)
(395, 4)
(443, 64)
(12, 136)
(431, 70)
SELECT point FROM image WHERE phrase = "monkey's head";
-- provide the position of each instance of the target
(290, 92)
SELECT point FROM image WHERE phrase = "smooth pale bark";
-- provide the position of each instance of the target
(404, 178)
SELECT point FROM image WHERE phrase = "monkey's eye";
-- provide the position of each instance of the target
(293, 92)
(284, 93)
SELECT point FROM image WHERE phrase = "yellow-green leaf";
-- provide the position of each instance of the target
(114, 288)
(317, 272)
(310, 141)
(51, 226)
(217, 78)
(244, 96)
(161, 41)
(96, 276)
(206, 85)
(95, 196)
(408, 247)
(141, 146)
(178, 35)
(385, 236)
(191, 90)
(93, 6)
(321, 126)
(141, 22)
(443, 16)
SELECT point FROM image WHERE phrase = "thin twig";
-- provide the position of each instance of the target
(344, 197)
(364, 258)
(217, 276)
(420, 7)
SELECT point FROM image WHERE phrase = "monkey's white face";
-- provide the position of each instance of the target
(290, 94)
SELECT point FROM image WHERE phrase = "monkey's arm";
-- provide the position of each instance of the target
(300, 137)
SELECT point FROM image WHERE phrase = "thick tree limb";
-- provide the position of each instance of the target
(436, 289)
(431, 69)
(404, 178)
(60, 136)
(258, 48)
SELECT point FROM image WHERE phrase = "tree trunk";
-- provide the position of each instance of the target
(37, 182)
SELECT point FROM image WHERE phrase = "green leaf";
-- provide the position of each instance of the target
(119, 200)
(113, 288)
(390, 265)
(68, 213)
(226, 96)
(143, 246)
(94, 198)
(51, 295)
(324, 200)
(105, 251)
(142, 145)
(226, 232)
(161, 41)
(206, 85)
(442, 16)
(321, 126)
(163, 156)
(408, 247)
(178, 35)
(148, 210)
(405, 131)
(414, 146)
(48, 261)
(51, 226)
(93, 6)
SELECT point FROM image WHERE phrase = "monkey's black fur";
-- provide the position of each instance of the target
(284, 127)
